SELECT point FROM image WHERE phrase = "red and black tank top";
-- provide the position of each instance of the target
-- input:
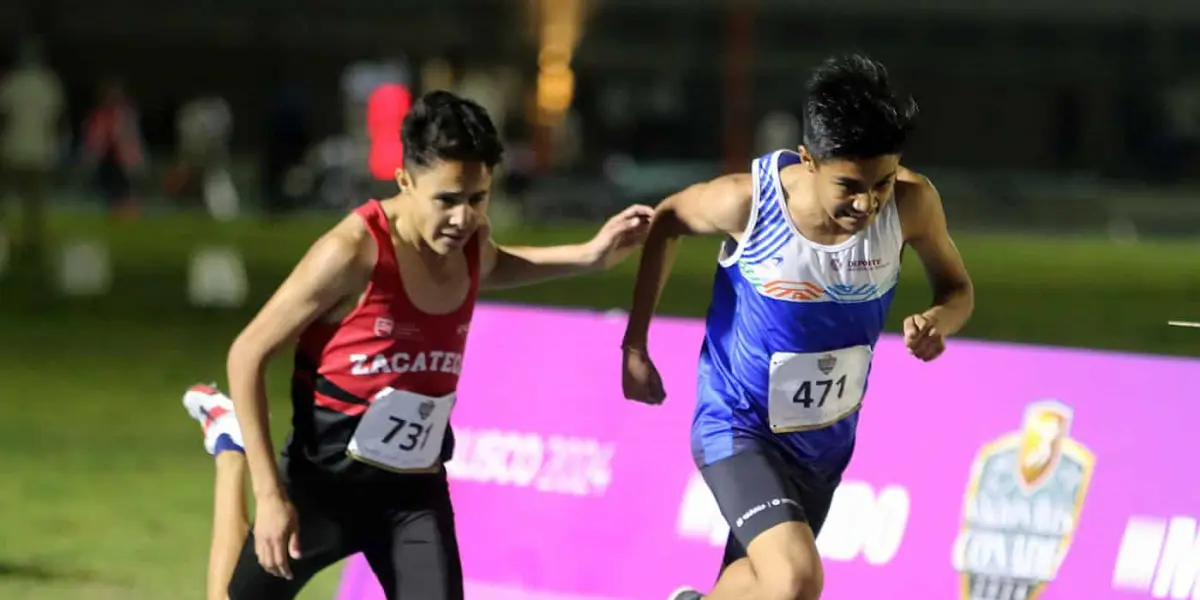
(384, 342)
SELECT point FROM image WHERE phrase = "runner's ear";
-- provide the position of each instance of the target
(404, 180)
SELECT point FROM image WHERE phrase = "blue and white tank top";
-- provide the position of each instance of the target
(790, 332)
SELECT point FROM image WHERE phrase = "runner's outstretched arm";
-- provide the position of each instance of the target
(513, 266)
(720, 206)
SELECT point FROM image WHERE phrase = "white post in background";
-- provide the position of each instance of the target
(217, 278)
(84, 268)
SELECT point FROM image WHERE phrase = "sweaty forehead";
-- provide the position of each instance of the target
(457, 177)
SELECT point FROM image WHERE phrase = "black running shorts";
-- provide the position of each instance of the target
(405, 531)
(757, 489)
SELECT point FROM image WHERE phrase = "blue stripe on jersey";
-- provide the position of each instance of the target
(771, 229)
(769, 246)
(745, 327)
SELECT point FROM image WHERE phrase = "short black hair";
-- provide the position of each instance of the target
(852, 112)
(442, 126)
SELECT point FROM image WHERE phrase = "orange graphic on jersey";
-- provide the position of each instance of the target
(793, 290)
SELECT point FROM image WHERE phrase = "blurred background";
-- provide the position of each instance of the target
(163, 165)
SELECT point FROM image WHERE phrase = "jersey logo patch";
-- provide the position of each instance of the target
(850, 293)
(826, 363)
(384, 327)
(793, 290)
(425, 410)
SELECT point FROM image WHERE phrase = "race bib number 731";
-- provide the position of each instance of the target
(402, 431)
(813, 390)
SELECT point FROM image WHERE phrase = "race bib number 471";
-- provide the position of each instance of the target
(813, 390)
(402, 431)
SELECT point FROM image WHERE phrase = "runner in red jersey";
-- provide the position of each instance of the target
(380, 308)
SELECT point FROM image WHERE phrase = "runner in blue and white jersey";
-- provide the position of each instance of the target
(807, 272)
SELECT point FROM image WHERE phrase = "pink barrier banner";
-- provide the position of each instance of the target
(997, 472)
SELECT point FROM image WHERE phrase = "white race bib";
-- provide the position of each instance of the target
(816, 389)
(402, 431)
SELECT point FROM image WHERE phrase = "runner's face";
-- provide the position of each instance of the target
(854, 191)
(452, 200)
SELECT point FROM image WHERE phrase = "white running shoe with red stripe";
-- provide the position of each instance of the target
(214, 411)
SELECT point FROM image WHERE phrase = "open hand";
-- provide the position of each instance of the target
(621, 235)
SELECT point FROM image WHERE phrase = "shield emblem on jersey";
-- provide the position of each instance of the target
(384, 326)
(826, 363)
(425, 410)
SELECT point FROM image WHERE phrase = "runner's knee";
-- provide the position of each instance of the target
(786, 563)
(792, 585)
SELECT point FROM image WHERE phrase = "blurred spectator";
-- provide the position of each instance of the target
(113, 147)
(31, 103)
(204, 127)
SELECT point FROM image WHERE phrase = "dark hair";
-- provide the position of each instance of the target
(852, 111)
(442, 126)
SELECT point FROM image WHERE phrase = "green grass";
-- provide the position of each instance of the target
(106, 492)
